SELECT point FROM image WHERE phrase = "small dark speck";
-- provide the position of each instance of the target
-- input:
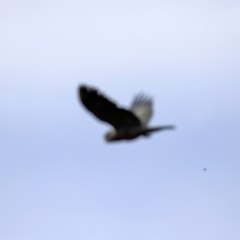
(204, 169)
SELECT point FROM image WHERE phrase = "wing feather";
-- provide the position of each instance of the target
(106, 110)
(142, 108)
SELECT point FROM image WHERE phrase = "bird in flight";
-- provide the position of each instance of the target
(127, 124)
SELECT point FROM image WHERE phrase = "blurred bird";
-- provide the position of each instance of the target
(127, 124)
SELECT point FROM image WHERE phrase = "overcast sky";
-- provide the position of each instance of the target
(60, 180)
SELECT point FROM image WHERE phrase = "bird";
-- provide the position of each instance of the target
(128, 124)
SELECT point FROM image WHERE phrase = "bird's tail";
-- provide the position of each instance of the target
(154, 129)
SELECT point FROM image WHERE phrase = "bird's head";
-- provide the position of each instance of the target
(110, 136)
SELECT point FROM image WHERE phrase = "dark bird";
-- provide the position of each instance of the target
(127, 124)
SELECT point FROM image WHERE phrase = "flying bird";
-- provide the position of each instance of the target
(127, 123)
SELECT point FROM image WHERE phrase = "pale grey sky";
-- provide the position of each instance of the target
(60, 180)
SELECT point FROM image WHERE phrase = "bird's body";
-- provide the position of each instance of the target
(127, 124)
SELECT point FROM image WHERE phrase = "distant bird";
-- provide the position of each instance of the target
(127, 124)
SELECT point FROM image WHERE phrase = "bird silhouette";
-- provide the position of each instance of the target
(127, 124)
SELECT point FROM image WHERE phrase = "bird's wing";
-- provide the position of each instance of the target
(106, 110)
(142, 108)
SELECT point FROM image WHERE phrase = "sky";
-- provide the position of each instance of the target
(60, 180)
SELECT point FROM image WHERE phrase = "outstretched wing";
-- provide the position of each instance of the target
(106, 110)
(142, 108)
